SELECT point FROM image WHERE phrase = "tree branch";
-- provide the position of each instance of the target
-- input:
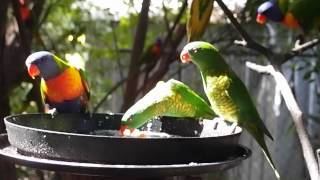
(137, 49)
(177, 20)
(249, 42)
(291, 103)
(299, 49)
(170, 44)
(165, 16)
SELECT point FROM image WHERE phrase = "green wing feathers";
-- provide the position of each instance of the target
(171, 98)
(84, 82)
(248, 114)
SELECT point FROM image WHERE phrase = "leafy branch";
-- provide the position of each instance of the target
(273, 69)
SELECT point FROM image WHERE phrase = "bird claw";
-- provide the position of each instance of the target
(53, 112)
(233, 127)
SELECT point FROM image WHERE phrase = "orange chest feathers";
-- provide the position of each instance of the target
(67, 86)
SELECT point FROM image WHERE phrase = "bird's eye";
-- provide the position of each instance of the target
(193, 50)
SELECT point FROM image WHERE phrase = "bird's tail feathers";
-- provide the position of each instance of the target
(267, 132)
(266, 152)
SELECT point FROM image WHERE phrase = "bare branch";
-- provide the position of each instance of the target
(259, 68)
(297, 50)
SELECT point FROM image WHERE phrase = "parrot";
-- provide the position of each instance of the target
(227, 94)
(198, 19)
(25, 12)
(172, 98)
(301, 14)
(63, 87)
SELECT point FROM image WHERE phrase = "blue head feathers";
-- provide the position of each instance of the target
(42, 64)
(269, 10)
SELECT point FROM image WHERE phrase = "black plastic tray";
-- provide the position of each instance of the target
(67, 137)
(120, 170)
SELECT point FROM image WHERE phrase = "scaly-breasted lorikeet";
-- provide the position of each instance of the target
(171, 98)
(227, 94)
(62, 86)
(302, 14)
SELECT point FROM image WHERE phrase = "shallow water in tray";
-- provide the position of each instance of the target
(145, 134)
(211, 128)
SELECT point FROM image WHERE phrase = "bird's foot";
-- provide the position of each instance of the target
(299, 40)
(233, 128)
(53, 112)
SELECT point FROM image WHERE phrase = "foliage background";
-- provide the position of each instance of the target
(102, 41)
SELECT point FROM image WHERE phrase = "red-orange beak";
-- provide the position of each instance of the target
(184, 56)
(125, 130)
(261, 19)
(33, 71)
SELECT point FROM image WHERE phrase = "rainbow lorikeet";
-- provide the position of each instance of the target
(150, 57)
(171, 98)
(303, 14)
(227, 94)
(62, 86)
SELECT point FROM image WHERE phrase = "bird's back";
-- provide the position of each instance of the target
(307, 12)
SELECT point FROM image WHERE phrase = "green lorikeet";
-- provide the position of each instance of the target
(227, 94)
(302, 14)
(171, 98)
(62, 86)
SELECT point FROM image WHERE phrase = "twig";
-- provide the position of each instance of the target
(165, 16)
(177, 20)
(116, 48)
(299, 49)
(291, 103)
(250, 43)
(115, 87)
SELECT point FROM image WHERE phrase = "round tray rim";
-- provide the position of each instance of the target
(7, 121)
